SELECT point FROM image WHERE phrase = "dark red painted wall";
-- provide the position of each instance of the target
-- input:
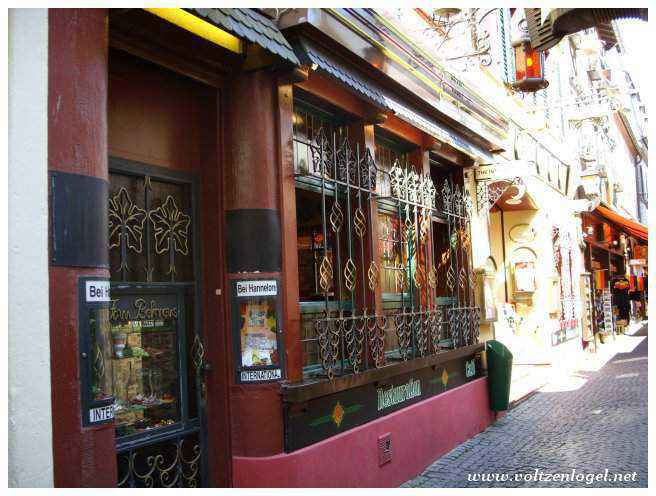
(420, 434)
(77, 143)
(77, 91)
(251, 175)
(158, 117)
(251, 182)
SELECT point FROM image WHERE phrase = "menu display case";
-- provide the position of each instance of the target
(136, 369)
(147, 335)
(256, 330)
(145, 374)
(97, 395)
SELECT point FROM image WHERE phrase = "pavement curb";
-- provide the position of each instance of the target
(516, 402)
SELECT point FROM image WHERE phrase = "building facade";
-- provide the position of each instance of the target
(274, 237)
(570, 147)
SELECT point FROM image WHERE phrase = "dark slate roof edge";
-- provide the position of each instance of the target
(308, 54)
(253, 26)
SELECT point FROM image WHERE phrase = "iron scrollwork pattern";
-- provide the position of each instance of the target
(489, 192)
(463, 315)
(172, 463)
(171, 230)
(350, 335)
(126, 223)
(149, 230)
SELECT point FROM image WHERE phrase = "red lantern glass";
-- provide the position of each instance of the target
(529, 68)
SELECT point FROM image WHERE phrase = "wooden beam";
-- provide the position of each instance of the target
(289, 276)
(327, 89)
(166, 59)
(300, 393)
(404, 130)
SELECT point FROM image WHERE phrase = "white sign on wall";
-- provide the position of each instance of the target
(97, 291)
(101, 414)
(506, 170)
(257, 288)
(260, 375)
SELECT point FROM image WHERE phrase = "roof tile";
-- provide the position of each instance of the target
(254, 27)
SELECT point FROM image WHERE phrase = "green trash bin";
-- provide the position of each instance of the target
(499, 370)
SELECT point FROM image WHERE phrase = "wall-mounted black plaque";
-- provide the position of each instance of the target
(254, 243)
(78, 220)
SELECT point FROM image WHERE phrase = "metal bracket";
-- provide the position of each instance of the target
(487, 195)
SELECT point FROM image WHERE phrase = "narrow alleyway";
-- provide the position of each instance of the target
(598, 423)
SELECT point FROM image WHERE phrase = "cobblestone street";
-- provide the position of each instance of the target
(599, 425)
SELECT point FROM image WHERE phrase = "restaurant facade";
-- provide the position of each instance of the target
(267, 246)
(259, 250)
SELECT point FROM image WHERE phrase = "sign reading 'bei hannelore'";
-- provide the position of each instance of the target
(97, 291)
(257, 288)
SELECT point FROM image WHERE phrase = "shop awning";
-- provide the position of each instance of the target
(630, 226)
(430, 127)
(310, 54)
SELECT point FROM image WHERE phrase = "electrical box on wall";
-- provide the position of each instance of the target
(384, 449)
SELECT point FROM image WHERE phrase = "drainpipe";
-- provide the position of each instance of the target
(503, 252)
(639, 191)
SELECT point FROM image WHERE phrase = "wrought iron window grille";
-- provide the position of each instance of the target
(350, 334)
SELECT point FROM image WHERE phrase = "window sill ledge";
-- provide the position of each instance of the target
(308, 390)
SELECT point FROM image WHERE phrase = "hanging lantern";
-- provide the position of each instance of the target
(529, 67)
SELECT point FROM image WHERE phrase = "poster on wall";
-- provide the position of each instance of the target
(486, 298)
(525, 276)
(256, 330)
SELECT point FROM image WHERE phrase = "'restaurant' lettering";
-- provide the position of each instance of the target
(398, 394)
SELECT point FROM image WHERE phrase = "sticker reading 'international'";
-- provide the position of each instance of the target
(257, 288)
(260, 375)
(101, 414)
(398, 394)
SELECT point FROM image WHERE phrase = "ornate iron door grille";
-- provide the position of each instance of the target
(350, 334)
(152, 246)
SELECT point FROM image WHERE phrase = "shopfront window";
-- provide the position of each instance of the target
(309, 119)
(364, 229)
(313, 123)
(145, 362)
(396, 254)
